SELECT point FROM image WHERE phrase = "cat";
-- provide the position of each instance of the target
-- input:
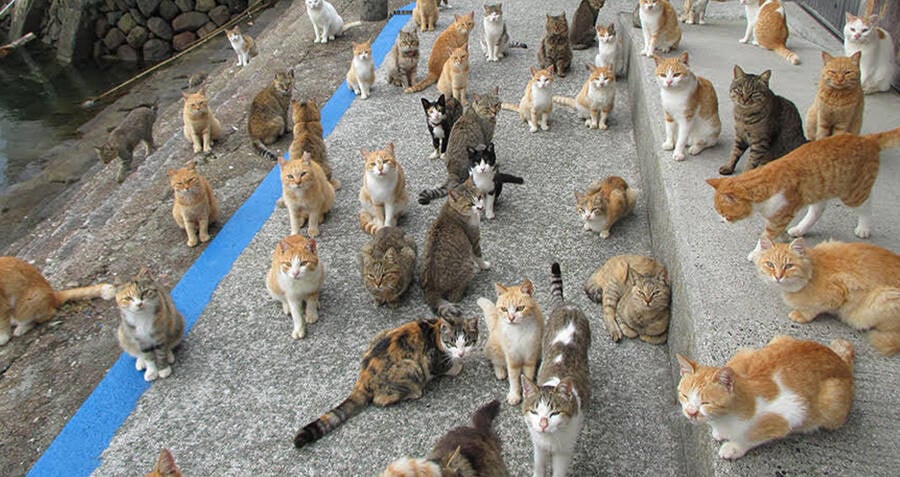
(769, 26)
(843, 166)
(361, 75)
(308, 136)
(659, 26)
(751, 13)
(455, 75)
(537, 102)
(484, 172)
(137, 127)
(26, 298)
(634, 293)
(465, 451)
(425, 14)
(306, 192)
(857, 282)
(604, 203)
(387, 264)
(515, 328)
(397, 365)
(555, 49)
(768, 124)
(694, 11)
(581, 35)
(475, 127)
(496, 42)
(270, 113)
(596, 99)
(383, 192)
(690, 105)
(165, 466)
(456, 35)
(201, 127)
(761, 395)
(607, 47)
(402, 62)
(195, 205)
(877, 66)
(326, 21)
(440, 116)
(295, 279)
(839, 104)
(150, 327)
(242, 44)
(555, 406)
(451, 252)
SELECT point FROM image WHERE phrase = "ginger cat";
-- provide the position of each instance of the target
(195, 205)
(361, 75)
(200, 125)
(857, 282)
(691, 107)
(306, 193)
(786, 387)
(243, 45)
(455, 36)
(604, 203)
(607, 47)
(767, 22)
(537, 102)
(26, 298)
(383, 192)
(455, 75)
(294, 279)
(838, 107)
(425, 14)
(308, 136)
(595, 100)
(659, 24)
(165, 466)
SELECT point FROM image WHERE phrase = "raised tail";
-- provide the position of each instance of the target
(102, 290)
(510, 179)
(263, 151)
(350, 25)
(556, 285)
(426, 82)
(485, 415)
(565, 101)
(332, 419)
(367, 223)
(886, 140)
(844, 350)
(516, 44)
(788, 55)
(427, 195)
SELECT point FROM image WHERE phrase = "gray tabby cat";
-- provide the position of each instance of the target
(582, 34)
(386, 265)
(402, 61)
(555, 49)
(768, 124)
(474, 128)
(452, 250)
(136, 127)
(556, 405)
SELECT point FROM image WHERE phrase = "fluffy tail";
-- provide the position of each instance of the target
(844, 350)
(263, 151)
(489, 309)
(510, 179)
(565, 101)
(484, 416)
(103, 290)
(886, 140)
(631, 196)
(427, 195)
(556, 286)
(428, 81)
(516, 44)
(367, 223)
(314, 431)
(350, 25)
(789, 55)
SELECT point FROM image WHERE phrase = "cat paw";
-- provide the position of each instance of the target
(726, 170)
(197, 148)
(586, 226)
(489, 215)
(755, 43)
(484, 265)
(204, 238)
(743, 40)
(545, 127)
(434, 155)
(151, 375)
(455, 369)
(140, 364)
(731, 451)
(500, 373)
(298, 333)
(604, 234)
(165, 373)
(614, 332)
(533, 129)
(513, 398)
(701, 22)
(678, 156)
(799, 317)
(716, 436)
(313, 232)
(602, 126)
(696, 149)
(312, 317)
(668, 145)
(170, 357)
(862, 232)
(192, 242)
(796, 231)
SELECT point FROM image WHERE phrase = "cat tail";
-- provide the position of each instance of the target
(510, 179)
(509, 107)
(426, 82)
(490, 312)
(263, 151)
(485, 415)
(516, 44)
(103, 290)
(355, 402)
(427, 195)
(556, 285)
(886, 140)
(787, 54)
(843, 349)
(631, 196)
(565, 101)
(350, 25)
(367, 223)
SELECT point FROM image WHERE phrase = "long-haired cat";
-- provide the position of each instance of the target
(766, 21)
(537, 101)
(555, 406)
(659, 26)
(838, 107)
(440, 116)
(456, 35)
(165, 466)
(201, 128)
(242, 44)
(857, 282)
(270, 113)
(308, 136)
(768, 124)
(607, 47)
(402, 62)
(195, 205)
(581, 35)
(361, 75)
(555, 49)
(690, 105)
(295, 279)
(484, 172)
(387, 264)
(634, 293)
(326, 21)
(26, 298)
(383, 192)
(425, 14)
(396, 367)
(604, 203)
(465, 451)
(455, 75)
(596, 99)
(515, 327)
(150, 327)
(761, 395)
(878, 64)
(306, 192)
(496, 42)
(136, 127)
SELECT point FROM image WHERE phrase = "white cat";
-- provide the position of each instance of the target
(877, 64)
(606, 47)
(495, 36)
(325, 20)
(751, 11)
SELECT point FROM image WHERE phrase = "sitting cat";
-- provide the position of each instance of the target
(877, 65)
(270, 113)
(383, 192)
(455, 75)
(361, 75)
(838, 107)
(325, 20)
(201, 128)
(608, 49)
(485, 174)
(690, 105)
(659, 26)
(295, 279)
(195, 205)
(26, 298)
(137, 127)
(386, 265)
(402, 61)
(555, 49)
(694, 11)
(165, 466)
(537, 102)
(596, 99)
(425, 14)
(455, 36)
(306, 192)
(788, 386)
(392, 373)
(581, 35)
(604, 203)
(496, 40)
(243, 45)
(440, 116)
(308, 136)
(765, 18)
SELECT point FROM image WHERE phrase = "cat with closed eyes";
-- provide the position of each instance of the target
(387, 265)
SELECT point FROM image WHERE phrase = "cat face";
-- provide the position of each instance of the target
(284, 82)
(749, 90)
(138, 295)
(382, 276)
(298, 174)
(590, 207)
(459, 336)
(841, 72)
(601, 76)
(313, 4)
(704, 392)
(195, 103)
(515, 302)
(107, 153)
(463, 24)
(728, 204)
(305, 111)
(234, 35)
(460, 56)
(548, 408)
(860, 29)
(671, 73)
(467, 201)
(542, 78)
(436, 111)
(486, 105)
(649, 292)
(650, 5)
(784, 265)
(296, 257)
(362, 51)
(557, 25)
(482, 161)
(380, 163)
(408, 42)
(185, 180)
(606, 34)
(493, 13)
(596, 4)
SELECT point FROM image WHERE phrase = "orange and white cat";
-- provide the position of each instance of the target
(690, 105)
(839, 103)
(383, 193)
(201, 127)
(595, 100)
(767, 26)
(295, 278)
(659, 24)
(242, 44)
(537, 102)
(455, 75)
(361, 75)
(195, 206)
(165, 466)
(306, 192)
(455, 36)
(604, 203)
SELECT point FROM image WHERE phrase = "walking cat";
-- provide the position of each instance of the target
(604, 203)
(838, 107)
(634, 293)
(788, 386)
(857, 282)
(440, 116)
(455, 75)
(581, 35)
(242, 44)
(201, 127)
(387, 264)
(608, 48)
(596, 99)
(487, 178)
(306, 192)
(195, 205)
(496, 42)
(402, 62)
(326, 21)
(165, 466)
(555, 49)
(308, 136)
(690, 105)
(768, 26)
(537, 101)
(659, 26)
(137, 127)
(383, 192)
(425, 14)
(397, 365)
(270, 113)
(877, 66)
(295, 279)
(361, 75)
(456, 35)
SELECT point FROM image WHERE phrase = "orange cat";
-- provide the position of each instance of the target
(659, 24)
(770, 28)
(362, 69)
(383, 192)
(306, 193)
(195, 205)
(788, 386)
(839, 103)
(200, 126)
(165, 466)
(425, 14)
(455, 75)
(604, 203)
(537, 102)
(294, 279)
(595, 100)
(455, 36)
(690, 105)
(308, 136)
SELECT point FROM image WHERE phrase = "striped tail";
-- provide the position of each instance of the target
(367, 223)
(428, 81)
(350, 407)
(843, 349)
(427, 195)
(556, 286)
(516, 44)
(789, 55)
(484, 416)
(510, 179)
(886, 140)
(103, 290)
(565, 101)
(263, 151)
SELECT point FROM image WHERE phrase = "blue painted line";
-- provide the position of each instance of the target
(76, 450)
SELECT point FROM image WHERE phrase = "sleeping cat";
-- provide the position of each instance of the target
(766, 21)
(361, 75)
(839, 103)
(496, 40)
(877, 65)
(383, 192)
(201, 128)
(440, 116)
(604, 203)
(555, 49)
(455, 75)
(396, 367)
(137, 127)
(596, 99)
(165, 466)
(242, 44)
(326, 21)
(270, 113)
(295, 279)
(788, 386)
(581, 35)
(690, 105)
(402, 61)
(659, 26)
(456, 35)
(487, 178)
(306, 192)
(195, 206)
(26, 298)
(387, 264)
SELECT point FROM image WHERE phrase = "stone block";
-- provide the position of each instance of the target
(236, 6)
(126, 23)
(156, 50)
(127, 53)
(138, 17)
(101, 26)
(219, 15)
(113, 17)
(121, 5)
(131, 3)
(110, 5)
(204, 5)
(114, 37)
(205, 30)
(185, 5)
(160, 28)
(148, 7)
(137, 36)
(183, 40)
(189, 21)
(168, 10)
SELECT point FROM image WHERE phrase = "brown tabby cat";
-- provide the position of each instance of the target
(402, 61)
(308, 136)
(270, 113)
(857, 282)
(201, 128)
(596, 99)
(383, 192)
(195, 205)
(761, 395)
(26, 298)
(581, 35)
(306, 193)
(604, 203)
(137, 127)
(771, 30)
(659, 24)
(455, 75)
(425, 14)
(295, 278)
(165, 466)
(838, 107)
(455, 36)
(555, 49)
(396, 367)
(386, 265)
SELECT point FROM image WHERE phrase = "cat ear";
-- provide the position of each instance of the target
(687, 366)
(684, 58)
(281, 161)
(191, 166)
(715, 182)
(765, 76)
(390, 148)
(848, 17)
(202, 90)
(738, 72)
(311, 245)
(527, 287)
(657, 59)
(589, 67)
(442, 100)
(364, 153)
(165, 463)
(170, 172)
(490, 148)
(185, 95)
(612, 28)
(426, 104)
(725, 376)
(826, 57)
(528, 387)
(855, 57)
(283, 246)
(532, 70)
(765, 243)
(798, 246)
(499, 289)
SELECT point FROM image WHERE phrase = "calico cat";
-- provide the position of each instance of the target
(270, 113)
(201, 127)
(769, 26)
(496, 40)
(838, 107)
(486, 176)
(165, 466)
(383, 192)
(326, 21)
(555, 406)
(452, 251)
(761, 395)
(386, 265)
(515, 328)
(455, 75)
(150, 327)
(243, 45)
(604, 203)
(402, 61)
(361, 75)
(555, 49)
(634, 293)
(137, 127)
(857, 282)
(440, 116)
(295, 279)
(659, 26)
(877, 65)
(195, 205)
(607, 47)
(465, 451)
(308, 136)
(456, 35)
(26, 298)
(581, 35)
(596, 99)
(690, 105)
(768, 124)
(306, 192)
(396, 367)
(425, 14)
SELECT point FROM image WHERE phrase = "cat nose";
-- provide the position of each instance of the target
(691, 413)
(544, 423)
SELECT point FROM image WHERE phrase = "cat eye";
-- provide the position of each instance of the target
(503, 309)
(520, 308)
(290, 176)
(788, 266)
(302, 174)
(770, 265)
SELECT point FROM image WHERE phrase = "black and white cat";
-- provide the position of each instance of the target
(486, 175)
(440, 117)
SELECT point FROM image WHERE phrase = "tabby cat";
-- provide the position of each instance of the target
(201, 128)
(397, 365)
(690, 105)
(838, 107)
(402, 62)
(270, 113)
(383, 192)
(243, 45)
(537, 101)
(496, 40)
(455, 75)
(425, 14)
(361, 75)
(769, 26)
(26, 298)
(137, 127)
(306, 192)
(165, 466)
(857, 282)
(581, 35)
(555, 49)
(485, 174)
(456, 35)
(387, 264)
(440, 116)
(634, 293)
(308, 136)
(659, 26)
(877, 65)
(195, 205)
(295, 279)
(604, 203)
(596, 99)
(761, 395)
